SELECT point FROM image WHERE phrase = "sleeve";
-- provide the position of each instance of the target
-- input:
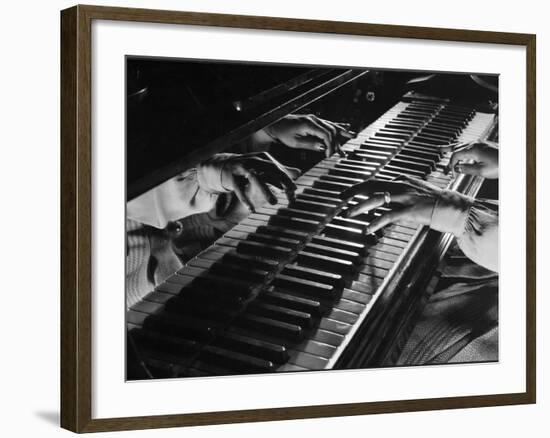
(193, 191)
(474, 222)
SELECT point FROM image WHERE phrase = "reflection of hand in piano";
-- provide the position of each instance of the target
(310, 132)
(259, 171)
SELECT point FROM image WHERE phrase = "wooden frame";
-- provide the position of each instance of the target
(76, 168)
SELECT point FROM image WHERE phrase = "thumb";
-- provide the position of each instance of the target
(293, 172)
(311, 144)
(470, 169)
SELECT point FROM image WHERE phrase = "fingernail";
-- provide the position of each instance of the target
(458, 168)
(367, 230)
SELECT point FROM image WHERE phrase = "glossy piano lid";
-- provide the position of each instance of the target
(180, 112)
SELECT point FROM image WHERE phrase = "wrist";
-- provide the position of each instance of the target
(210, 174)
(450, 212)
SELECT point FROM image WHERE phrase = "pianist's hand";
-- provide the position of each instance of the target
(484, 157)
(256, 175)
(310, 132)
(413, 202)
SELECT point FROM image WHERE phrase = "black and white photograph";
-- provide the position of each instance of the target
(291, 218)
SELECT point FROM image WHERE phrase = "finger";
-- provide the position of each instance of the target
(260, 185)
(310, 144)
(241, 196)
(334, 137)
(293, 172)
(462, 155)
(316, 130)
(389, 218)
(470, 169)
(340, 151)
(454, 146)
(342, 129)
(364, 206)
(274, 173)
(371, 186)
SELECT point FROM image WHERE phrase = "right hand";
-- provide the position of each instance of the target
(484, 156)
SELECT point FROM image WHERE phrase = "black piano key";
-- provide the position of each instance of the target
(303, 203)
(216, 283)
(177, 346)
(251, 261)
(403, 170)
(252, 346)
(368, 157)
(403, 162)
(331, 185)
(303, 214)
(416, 158)
(422, 152)
(188, 327)
(319, 291)
(181, 306)
(322, 262)
(328, 203)
(280, 313)
(235, 360)
(331, 194)
(392, 134)
(270, 327)
(264, 250)
(350, 223)
(346, 245)
(232, 270)
(295, 223)
(274, 240)
(355, 174)
(282, 298)
(330, 251)
(316, 275)
(342, 232)
(283, 232)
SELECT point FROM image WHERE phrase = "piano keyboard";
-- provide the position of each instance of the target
(289, 287)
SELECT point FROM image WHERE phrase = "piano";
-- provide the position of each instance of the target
(295, 286)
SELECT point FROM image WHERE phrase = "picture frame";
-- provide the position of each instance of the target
(77, 238)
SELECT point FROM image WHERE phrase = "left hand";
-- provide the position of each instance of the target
(310, 132)
(415, 201)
